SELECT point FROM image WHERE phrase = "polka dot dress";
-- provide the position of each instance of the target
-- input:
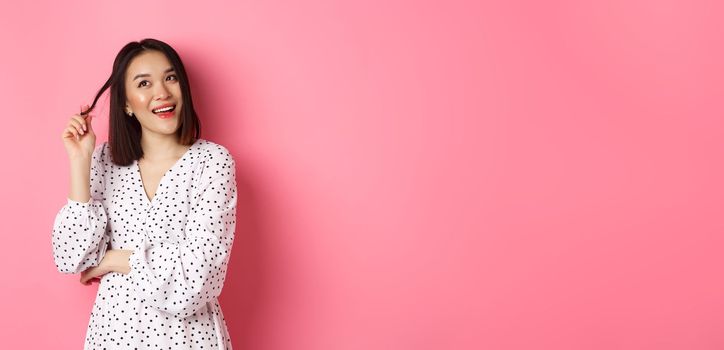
(181, 241)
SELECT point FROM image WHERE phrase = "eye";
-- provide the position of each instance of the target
(172, 76)
(141, 83)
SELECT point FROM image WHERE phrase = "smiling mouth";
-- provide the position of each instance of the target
(164, 110)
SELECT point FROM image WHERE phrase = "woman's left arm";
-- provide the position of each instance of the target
(181, 277)
(118, 261)
(114, 260)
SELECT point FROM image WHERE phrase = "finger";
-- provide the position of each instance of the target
(81, 120)
(66, 133)
(71, 132)
(77, 125)
(75, 132)
(77, 129)
(87, 276)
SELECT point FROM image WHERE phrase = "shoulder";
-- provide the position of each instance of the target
(216, 162)
(214, 153)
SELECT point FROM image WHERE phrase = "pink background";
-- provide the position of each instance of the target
(413, 174)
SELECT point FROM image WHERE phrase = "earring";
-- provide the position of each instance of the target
(129, 113)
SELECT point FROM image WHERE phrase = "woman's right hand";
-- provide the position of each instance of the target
(78, 137)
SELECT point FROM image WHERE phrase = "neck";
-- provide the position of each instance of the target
(161, 147)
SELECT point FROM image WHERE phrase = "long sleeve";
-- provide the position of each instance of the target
(79, 236)
(180, 277)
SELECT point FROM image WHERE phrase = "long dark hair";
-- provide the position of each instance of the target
(124, 132)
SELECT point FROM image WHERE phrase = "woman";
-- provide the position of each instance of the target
(161, 197)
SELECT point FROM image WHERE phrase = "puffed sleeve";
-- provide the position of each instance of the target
(80, 238)
(180, 277)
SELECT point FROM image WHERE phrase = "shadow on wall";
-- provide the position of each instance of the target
(220, 101)
(244, 297)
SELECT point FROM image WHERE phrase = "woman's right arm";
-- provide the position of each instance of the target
(80, 169)
(79, 231)
(79, 140)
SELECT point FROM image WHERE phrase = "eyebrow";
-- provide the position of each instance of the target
(148, 75)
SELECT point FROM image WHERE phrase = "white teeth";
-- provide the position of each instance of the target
(165, 109)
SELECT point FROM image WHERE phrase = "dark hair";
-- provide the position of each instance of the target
(124, 132)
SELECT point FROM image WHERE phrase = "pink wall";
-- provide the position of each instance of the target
(414, 174)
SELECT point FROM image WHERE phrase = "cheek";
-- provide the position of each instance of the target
(137, 99)
(177, 91)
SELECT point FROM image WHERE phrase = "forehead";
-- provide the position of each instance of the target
(149, 62)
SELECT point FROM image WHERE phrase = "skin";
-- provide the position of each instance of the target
(160, 144)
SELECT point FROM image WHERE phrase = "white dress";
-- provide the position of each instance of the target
(181, 242)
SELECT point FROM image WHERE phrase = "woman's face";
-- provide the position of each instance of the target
(151, 84)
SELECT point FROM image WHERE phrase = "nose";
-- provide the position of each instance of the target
(162, 92)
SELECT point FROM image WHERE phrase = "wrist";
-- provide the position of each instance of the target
(80, 161)
(121, 264)
(117, 260)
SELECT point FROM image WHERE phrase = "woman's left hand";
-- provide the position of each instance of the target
(93, 274)
(115, 260)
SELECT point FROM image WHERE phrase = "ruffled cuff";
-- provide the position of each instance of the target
(79, 205)
(102, 249)
(134, 262)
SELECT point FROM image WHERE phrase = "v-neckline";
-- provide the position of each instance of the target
(149, 201)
